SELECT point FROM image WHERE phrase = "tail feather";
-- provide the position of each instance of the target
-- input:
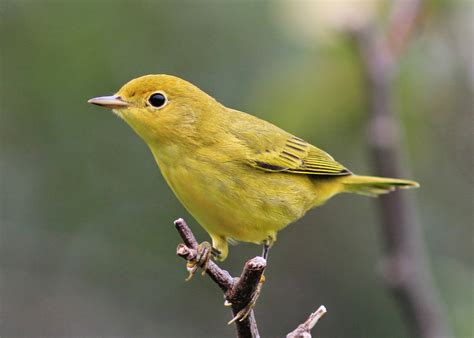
(373, 186)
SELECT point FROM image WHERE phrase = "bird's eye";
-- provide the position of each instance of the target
(157, 100)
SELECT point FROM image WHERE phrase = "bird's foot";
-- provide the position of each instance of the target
(247, 309)
(205, 252)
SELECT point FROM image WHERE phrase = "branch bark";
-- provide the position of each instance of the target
(405, 270)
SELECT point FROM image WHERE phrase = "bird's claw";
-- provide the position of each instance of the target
(204, 253)
(247, 309)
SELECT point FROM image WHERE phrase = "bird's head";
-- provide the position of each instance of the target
(161, 108)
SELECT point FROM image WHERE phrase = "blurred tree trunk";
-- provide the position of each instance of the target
(405, 267)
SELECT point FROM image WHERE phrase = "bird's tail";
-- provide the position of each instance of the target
(373, 186)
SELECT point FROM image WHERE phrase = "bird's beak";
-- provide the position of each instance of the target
(112, 102)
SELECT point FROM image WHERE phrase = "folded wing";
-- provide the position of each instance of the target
(299, 157)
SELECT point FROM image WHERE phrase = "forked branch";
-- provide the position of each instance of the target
(238, 292)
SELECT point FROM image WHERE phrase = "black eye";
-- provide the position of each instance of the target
(157, 100)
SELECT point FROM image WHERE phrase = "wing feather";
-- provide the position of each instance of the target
(299, 157)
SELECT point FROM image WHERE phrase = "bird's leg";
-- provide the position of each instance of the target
(266, 249)
(204, 253)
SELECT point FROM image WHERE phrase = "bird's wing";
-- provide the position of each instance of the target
(272, 149)
(297, 156)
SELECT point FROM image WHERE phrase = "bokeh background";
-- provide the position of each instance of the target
(87, 240)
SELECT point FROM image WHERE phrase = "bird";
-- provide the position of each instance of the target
(242, 178)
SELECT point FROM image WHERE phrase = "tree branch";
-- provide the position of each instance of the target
(406, 269)
(304, 330)
(238, 292)
(404, 18)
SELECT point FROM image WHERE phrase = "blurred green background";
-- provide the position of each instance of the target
(87, 240)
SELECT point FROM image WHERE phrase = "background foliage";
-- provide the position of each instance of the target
(87, 242)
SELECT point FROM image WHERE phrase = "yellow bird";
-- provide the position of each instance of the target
(242, 178)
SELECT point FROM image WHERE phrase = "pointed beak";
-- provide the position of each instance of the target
(112, 102)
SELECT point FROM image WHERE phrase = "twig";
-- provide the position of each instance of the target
(405, 270)
(238, 292)
(186, 233)
(304, 330)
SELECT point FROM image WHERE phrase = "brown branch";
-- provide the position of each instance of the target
(404, 18)
(238, 292)
(406, 270)
(304, 330)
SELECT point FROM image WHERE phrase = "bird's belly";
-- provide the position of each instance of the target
(239, 202)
